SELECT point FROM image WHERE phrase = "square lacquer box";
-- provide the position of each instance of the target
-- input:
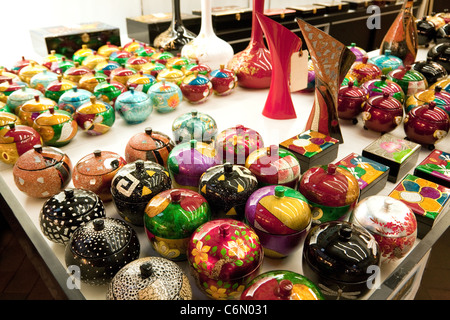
(428, 200)
(435, 167)
(371, 175)
(398, 154)
(312, 148)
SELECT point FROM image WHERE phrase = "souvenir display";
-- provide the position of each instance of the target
(350, 102)
(150, 278)
(282, 44)
(428, 200)
(56, 127)
(171, 217)
(378, 87)
(194, 125)
(340, 274)
(149, 145)
(95, 117)
(207, 47)
(371, 175)
(253, 65)
(402, 37)
(109, 90)
(312, 148)
(90, 81)
(31, 109)
(19, 97)
(26, 73)
(223, 255)
(331, 191)
(281, 285)
(281, 217)
(105, 68)
(391, 223)
(121, 75)
(57, 88)
(323, 117)
(177, 35)
(431, 70)
(42, 80)
(42, 172)
(171, 75)
(439, 98)
(95, 172)
(398, 154)
(134, 185)
(15, 140)
(120, 56)
(65, 211)
(106, 49)
(75, 73)
(227, 188)
(386, 62)
(274, 166)
(359, 52)
(382, 113)
(82, 53)
(364, 71)
(188, 161)
(133, 106)
(196, 88)
(223, 81)
(236, 143)
(440, 54)
(410, 80)
(166, 96)
(427, 124)
(141, 81)
(72, 99)
(435, 167)
(93, 60)
(7, 118)
(100, 248)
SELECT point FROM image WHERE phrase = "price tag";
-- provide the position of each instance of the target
(299, 71)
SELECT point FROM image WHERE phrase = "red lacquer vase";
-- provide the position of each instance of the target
(282, 44)
(253, 66)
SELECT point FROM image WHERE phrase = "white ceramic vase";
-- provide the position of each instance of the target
(207, 48)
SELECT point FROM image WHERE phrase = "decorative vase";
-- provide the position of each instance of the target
(207, 48)
(282, 44)
(402, 37)
(253, 65)
(324, 115)
(176, 36)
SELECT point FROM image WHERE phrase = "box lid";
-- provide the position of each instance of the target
(392, 148)
(436, 164)
(309, 143)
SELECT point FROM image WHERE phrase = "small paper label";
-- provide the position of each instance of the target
(299, 71)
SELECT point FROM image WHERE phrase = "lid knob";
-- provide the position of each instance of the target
(12, 125)
(383, 78)
(38, 148)
(272, 150)
(97, 153)
(431, 105)
(224, 230)
(194, 114)
(350, 84)
(284, 289)
(99, 224)
(385, 95)
(228, 167)
(279, 191)
(387, 52)
(193, 144)
(149, 131)
(437, 89)
(388, 202)
(69, 193)
(146, 269)
(140, 165)
(93, 99)
(331, 169)
(345, 232)
(175, 196)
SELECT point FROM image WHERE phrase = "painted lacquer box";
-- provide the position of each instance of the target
(435, 167)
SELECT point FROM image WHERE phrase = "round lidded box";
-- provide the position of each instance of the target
(340, 273)
(56, 127)
(391, 222)
(134, 185)
(65, 211)
(19, 97)
(15, 140)
(72, 99)
(364, 71)
(331, 191)
(281, 217)
(281, 285)
(42, 171)
(437, 95)
(274, 165)
(227, 188)
(95, 117)
(377, 87)
(410, 80)
(350, 101)
(150, 278)
(96, 171)
(196, 88)
(223, 255)
(382, 113)
(194, 125)
(165, 96)
(133, 106)
(171, 217)
(386, 62)
(149, 145)
(31, 109)
(100, 248)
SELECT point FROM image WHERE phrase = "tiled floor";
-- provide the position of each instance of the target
(19, 280)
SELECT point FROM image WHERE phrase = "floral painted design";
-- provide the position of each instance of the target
(393, 148)
(437, 165)
(309, 143)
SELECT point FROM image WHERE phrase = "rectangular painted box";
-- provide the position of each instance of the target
(435, 167)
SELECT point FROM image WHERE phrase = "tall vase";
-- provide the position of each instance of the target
(402, 37)
(176, 36)
(282, 44)
(331, 60)
(253, 65)
(207, 48)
